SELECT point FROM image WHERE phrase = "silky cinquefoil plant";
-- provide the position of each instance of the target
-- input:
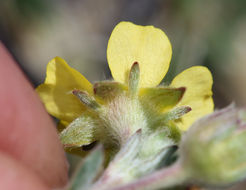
(142, 128)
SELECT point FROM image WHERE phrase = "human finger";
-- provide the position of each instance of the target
(27, 133)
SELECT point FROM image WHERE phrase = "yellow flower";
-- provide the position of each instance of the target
(129, 43)
(151, 48)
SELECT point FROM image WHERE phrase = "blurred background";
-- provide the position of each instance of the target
(210, 33)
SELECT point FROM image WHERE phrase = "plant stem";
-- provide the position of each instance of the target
(165, 178)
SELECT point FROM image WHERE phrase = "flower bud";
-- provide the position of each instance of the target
(214, 149)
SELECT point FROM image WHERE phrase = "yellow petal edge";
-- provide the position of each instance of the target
(147, 45)
(198, 82)
(56, 91)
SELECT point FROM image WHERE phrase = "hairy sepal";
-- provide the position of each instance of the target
(108, 90)
(80, 132)
(161, 98)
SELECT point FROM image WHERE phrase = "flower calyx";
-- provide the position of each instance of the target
(115, 111)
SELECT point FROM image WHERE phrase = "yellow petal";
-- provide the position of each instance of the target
(147, 45)
(56, 92)
(198, 82)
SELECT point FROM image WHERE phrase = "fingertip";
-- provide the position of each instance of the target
(14, 176)
(27, 133)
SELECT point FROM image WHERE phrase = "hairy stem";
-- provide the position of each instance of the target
(165, 178)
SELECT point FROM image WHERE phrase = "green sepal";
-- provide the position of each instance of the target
(86, 99)
(133, 80)
(167, 120)
(175, 113)
(175, 132)
(88, 170)
(108, 90)
(80, 132)
(161, 98)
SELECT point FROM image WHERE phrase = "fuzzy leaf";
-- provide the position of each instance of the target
(162, 98)
(80, 132)
(153, 162)
(169, 158)
(129, 150)
(165, 178)
(88, 170)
